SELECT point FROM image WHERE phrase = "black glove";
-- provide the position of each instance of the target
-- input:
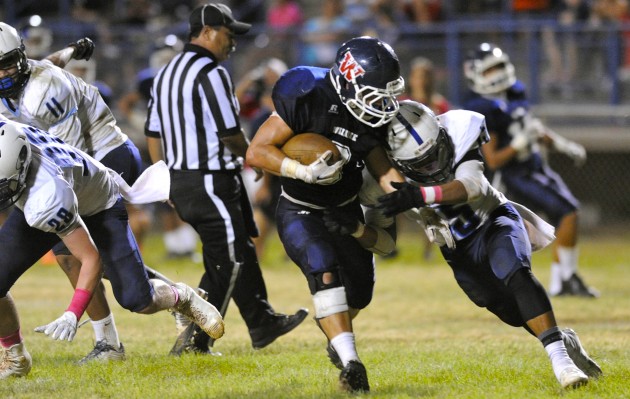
(339, 222)
(406, 197)
(83, 48)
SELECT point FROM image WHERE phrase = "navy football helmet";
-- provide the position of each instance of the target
(419, 146)
(488, 70)
(12, 56)
(366, 76)
(15, 158)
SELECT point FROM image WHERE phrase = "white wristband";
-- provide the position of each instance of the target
(289, 168)
(360, 230)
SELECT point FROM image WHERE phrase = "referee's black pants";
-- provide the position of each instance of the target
(215, 204)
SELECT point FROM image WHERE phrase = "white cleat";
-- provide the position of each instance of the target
(199, 311)
(572, 377)
(578, 354)
(104, 352)
(15, 361)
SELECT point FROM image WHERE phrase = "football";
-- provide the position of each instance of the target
(307, 147)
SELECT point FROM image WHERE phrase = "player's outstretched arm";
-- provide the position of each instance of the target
(82, 49)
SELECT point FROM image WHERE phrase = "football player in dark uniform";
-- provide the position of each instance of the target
(513, 154)
(351, 104)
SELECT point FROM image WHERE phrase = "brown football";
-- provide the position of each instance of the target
(307, 147)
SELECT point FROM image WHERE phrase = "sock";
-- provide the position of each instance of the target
(559, 357)
(568, 257)
(555, 279)
(105, 330)
(345, 347)
(11, 339)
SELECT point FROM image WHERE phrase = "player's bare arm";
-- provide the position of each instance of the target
(382, 170)
(264, 150)
(82, 247)
(496, 158)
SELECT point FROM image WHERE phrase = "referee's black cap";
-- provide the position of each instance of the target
(213, 14)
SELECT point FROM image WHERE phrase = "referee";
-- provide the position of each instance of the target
(193, 126)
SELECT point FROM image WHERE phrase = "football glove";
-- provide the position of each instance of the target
(83, 48)
(405, 197)
(62, 329)
(318, 172)
(341, 223)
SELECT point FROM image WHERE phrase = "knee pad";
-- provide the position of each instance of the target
(529, 294)
(320, 285)
(330, 301)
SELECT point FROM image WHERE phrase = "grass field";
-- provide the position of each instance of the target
(420, 338)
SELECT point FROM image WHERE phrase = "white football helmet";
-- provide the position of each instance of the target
(12, 55)
(15, 157)
(366, 76)
(419, 145)
(488, 70)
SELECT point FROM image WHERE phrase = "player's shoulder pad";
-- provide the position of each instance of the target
(467, 130)
(47, 82)
(48, 202)
(298, 82)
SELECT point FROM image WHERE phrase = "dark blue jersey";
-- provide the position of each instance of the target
(506, 116)
(308, 103)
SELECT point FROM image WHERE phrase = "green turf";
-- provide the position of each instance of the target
(420, 338)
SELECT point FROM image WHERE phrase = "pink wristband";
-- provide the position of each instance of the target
(80, 301)
(431, 194)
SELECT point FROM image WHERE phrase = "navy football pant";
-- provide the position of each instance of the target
(24, 245)
(484, 265)
(309, 244)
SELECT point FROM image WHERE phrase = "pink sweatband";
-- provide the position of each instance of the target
(80, 301)
(431, 194)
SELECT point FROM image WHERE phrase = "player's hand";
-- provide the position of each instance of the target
(341, 223)
(439, 233)
(319, 172)
(520, 142)
(83, 48)
(405, 197)
(62, 329)
(576, 152)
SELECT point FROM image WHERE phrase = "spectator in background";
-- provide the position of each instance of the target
(384, 20)
(422, 12)
(322, 34)
(611, 13)
(284, 19)
(561, 45)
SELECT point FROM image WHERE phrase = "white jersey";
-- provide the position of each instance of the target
(63, 184)
(64, 105)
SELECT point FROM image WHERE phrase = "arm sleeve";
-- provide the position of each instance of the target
(470, 174)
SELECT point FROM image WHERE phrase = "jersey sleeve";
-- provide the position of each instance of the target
(53, 208)
(290, 94)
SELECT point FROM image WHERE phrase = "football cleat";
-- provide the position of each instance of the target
(575, 286)
(572, 377)
(199, 311)
(333, 356)
(104, 352)
(182, 322)
(578, 354)
(353, 378)
(279, 325)
(15, 361)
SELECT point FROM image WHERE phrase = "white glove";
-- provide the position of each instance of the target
(440, 234)
(571, 149)
(520, 142)
(62, 329)
(318, 172)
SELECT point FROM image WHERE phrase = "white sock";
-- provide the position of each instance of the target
(186, 239)
(555, 279)
(105, 330)
(560, 360)
(568, 257)
(345, 347)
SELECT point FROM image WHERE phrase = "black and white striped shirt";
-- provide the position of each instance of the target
(192, 106)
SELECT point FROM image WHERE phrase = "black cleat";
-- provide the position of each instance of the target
(353, 378)
(334, 356)
(578, 354)
(575, 286)
(280, 325)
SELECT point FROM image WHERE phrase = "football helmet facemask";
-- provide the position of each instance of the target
(12, 56)
(15, 158)
(366, 76)
(419, 145)
(488, 70)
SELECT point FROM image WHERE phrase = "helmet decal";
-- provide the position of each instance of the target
(412, 131)
(350, 68)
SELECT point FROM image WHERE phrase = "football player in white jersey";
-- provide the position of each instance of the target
(62, 194)
(43, 95)
(481, 234)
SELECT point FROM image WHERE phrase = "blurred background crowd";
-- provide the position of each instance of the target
(573, 55)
